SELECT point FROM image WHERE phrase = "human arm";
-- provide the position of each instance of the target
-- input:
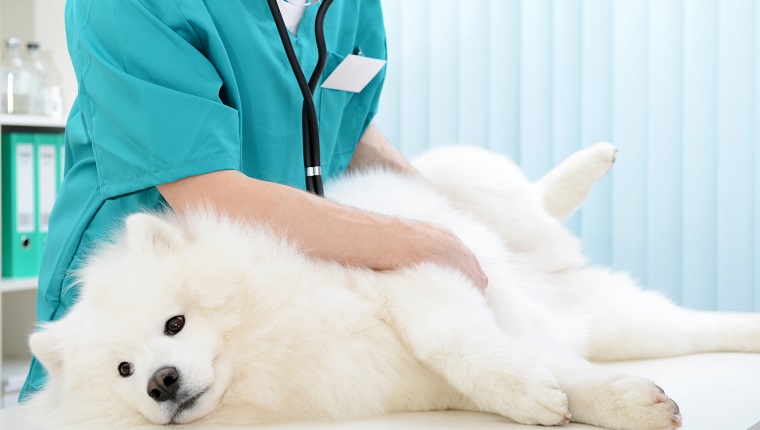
(373, 149)
(150, 125)
(323, 228)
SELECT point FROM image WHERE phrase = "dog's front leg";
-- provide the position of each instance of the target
(446, 324)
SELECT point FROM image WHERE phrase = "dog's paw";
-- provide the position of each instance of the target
(635, 403)
(532, 396)
(652, 409)
(668, 408)
(599, 159)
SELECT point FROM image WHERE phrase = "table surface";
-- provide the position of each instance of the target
(714, 392)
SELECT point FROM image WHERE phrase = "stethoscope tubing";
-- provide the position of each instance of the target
(310, 123)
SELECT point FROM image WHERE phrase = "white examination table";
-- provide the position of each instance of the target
(714, 392)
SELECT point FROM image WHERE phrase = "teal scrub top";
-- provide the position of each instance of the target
(170, 89)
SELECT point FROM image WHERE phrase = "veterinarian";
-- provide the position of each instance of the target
(191, 102)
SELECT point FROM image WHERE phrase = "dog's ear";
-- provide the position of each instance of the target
(47, 346)
(150, 232)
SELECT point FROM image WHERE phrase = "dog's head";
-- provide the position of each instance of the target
(146, 336)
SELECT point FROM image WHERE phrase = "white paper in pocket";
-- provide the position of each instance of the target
(353, 73)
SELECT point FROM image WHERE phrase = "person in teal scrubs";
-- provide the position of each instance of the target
(192, 101)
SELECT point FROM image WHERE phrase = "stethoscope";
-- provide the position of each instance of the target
(310, 123)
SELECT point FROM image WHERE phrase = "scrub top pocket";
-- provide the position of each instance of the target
(331, 111)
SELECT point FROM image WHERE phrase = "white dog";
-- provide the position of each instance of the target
(206, 318)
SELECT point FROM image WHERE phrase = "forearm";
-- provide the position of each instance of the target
(373, 149)
(323, 228)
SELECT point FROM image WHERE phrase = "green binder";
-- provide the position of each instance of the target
(46, 147)
(18, 200)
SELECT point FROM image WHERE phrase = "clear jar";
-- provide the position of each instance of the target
(37, 71)
(15, 80)
(46, 94)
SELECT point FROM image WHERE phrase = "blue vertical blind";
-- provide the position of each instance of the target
(672, 83)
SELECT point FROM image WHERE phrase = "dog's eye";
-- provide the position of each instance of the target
(174, 325)
(126, 369)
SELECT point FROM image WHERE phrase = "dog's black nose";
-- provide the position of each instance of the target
(164, 384)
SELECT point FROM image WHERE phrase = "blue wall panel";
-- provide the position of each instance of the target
(756, 151)
(596, 122)
(566, 84)
(699, 152)
(503, 64)
(473, 74)
(443, 53)
(672, 83)
(389, 116)
(664, 137)
(536, 98)
(415, 78)
(629, 133)
(735, 137)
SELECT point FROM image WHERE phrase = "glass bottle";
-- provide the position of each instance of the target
(46, 87)
(37, 71)
(15, 80)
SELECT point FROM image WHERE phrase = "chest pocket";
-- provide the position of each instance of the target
(331, 110)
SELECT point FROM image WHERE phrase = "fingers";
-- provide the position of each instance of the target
(479, 277)
(474, 271)
(454, 253)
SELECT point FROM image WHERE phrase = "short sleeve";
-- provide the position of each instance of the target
(375, 40)
(150, 98)
(362, 107)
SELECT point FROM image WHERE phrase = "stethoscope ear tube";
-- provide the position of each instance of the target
(310, 124)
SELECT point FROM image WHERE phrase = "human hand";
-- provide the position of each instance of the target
(446, 249)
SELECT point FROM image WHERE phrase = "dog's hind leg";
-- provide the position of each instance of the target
(445, 323)
(466, 174)
(496, 192)
(565, 187)
(625, 322)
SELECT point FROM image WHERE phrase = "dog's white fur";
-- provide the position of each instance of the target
(272, 335)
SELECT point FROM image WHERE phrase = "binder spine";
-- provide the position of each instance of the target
(47, 186)
(19, 239)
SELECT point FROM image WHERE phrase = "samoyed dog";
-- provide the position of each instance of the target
(216, 320)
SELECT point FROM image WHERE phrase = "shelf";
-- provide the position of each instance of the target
(14, 371)
(31, 121)
(9, 285)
